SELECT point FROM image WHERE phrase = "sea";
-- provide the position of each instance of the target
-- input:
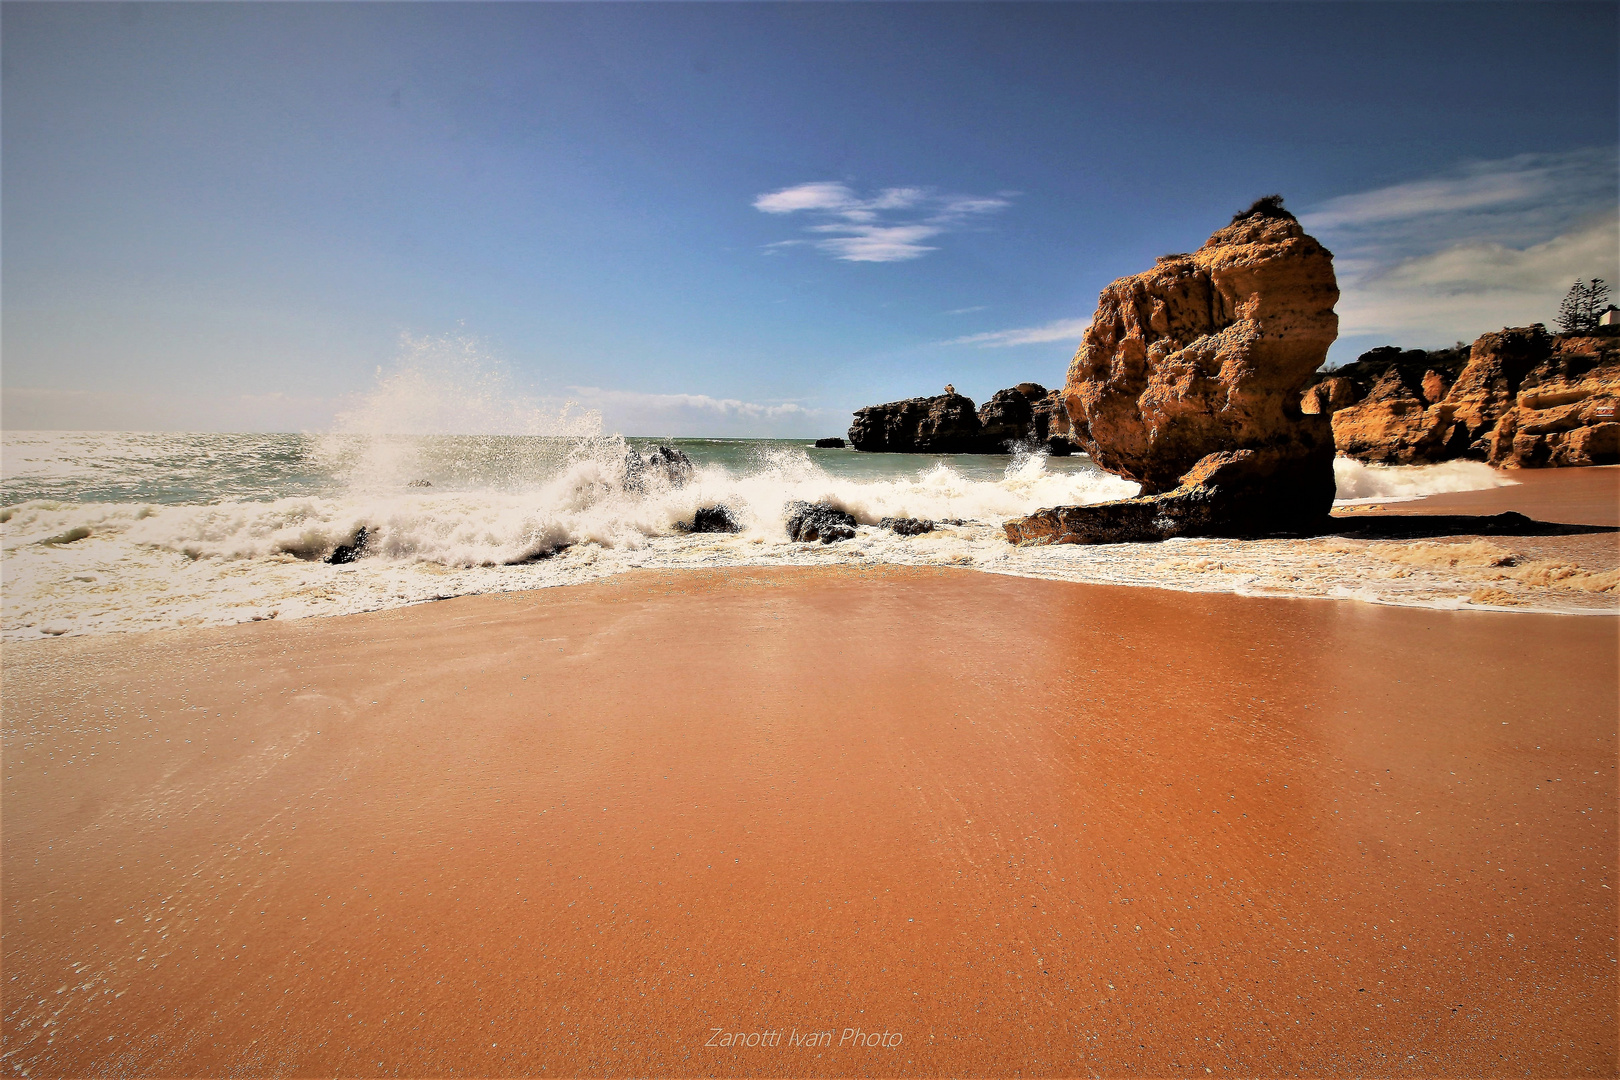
(108, 532)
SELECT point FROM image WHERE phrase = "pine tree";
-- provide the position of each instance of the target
(1582, 306)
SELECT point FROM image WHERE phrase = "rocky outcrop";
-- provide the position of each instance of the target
(948, 424)
(1050, 426)
(1009, 416)
(833, 443)
(809, 522)
(1189, 380)
(1564, 410)
(1518, 398)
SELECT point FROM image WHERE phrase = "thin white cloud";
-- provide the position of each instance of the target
(1402, 201)
(890, 226)
(1464, 290)
(966, 310)
(1438, 259)
(693, 402)
(1060, 330)
(635, 413)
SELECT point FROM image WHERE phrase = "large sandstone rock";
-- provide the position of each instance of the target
(1189, 380)
(1208, 352)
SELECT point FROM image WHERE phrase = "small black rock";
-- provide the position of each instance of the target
(907, 526)
(347, 553)
(711, 519)
(830, 444)
(808, 522)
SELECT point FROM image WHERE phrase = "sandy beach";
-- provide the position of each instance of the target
(681, 823)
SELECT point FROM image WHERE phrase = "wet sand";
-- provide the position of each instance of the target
(1588, 496)
(1006, 826)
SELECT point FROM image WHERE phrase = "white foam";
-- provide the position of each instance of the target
(1359, 482)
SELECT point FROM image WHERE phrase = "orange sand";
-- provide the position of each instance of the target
(1589, 496)
(1009, 826)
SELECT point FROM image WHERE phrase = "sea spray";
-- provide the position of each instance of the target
(1358, 482)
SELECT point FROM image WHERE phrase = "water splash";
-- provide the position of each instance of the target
(449, 414)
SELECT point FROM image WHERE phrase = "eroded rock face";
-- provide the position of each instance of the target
(949, 424)
(945, 424)
(1008, 418)
(1328, 397)
(1208, 352)
(1189, 380)
(1395, 424)
(1049, 425)
(1524, 399)
(1564, 409)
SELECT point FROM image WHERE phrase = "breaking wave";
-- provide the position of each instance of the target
(1359, 482)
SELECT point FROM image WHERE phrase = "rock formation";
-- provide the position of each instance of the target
(1563, 411)
(1189, 380)
(1517, 398)
(907, 526)
(711, 519)
(808, 522)
(1049, 420)
(348, 553)
(1008, 418)
(833, 443)
(949, 424)
(946, 424)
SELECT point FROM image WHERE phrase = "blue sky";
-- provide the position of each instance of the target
(747, 219)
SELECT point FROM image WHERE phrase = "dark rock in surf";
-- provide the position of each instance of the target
(907, 526)
(833, 443)
(711, 519)
(347, 553)
(809, 522)
(665, 465)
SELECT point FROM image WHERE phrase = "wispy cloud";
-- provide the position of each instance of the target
(1491, 243)
(636, 413)
(966, 310)
(1060, 330)
(891, 226)
(1461, 291)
